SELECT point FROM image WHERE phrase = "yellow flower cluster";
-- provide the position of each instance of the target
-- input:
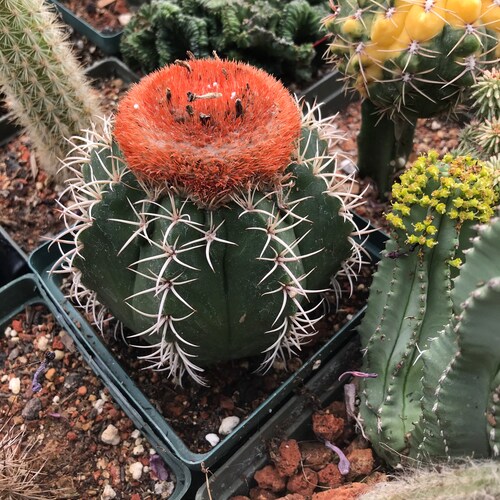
(460, 188)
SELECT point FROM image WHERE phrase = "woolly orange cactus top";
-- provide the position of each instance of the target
(209, 126)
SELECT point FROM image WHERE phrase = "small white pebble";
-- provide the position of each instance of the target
(152, 451)
(136, 106)
(108, 493)
(59, 355)
(13, 333)
(316, 364)
(135, 434)
(110, 435)
(228, 424)
(4, 378)
(135, 470)
(348, 166)
(138, 450)
(7, 331)
(15, 385)
(213, 439)
(98, 405)
(145, 469)
(56, 399)
(124, 19)
(42, 343)
(233, 94)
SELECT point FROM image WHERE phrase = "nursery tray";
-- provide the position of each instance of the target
(133, 399)
(292, 421)
(8, 127)
(330, 93)
(26, 291)
(108, 43)
(13, 261)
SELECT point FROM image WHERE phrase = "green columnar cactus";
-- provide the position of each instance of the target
(276, 36)
(481, 137)
(211, 217)
(42, 80)
(408, 59)
(435, 207)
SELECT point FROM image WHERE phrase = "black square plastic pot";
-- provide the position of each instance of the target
(25, 291)
(292, 421)
(13, 262)
(109, 43)
(134, 401)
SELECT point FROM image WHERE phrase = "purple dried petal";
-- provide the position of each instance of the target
(158, 467)
(344, 465)
(55, 415)
(35, 385)
(358, 374)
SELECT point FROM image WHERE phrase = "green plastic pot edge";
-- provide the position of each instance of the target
(109, 44)
(41, 262)
(25, 291)
(292, 421)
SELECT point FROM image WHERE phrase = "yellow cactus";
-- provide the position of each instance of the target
(460, 13)
(424, 23)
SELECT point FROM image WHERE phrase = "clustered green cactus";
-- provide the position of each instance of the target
(481, 137)
(408, 59)
(209, 219)
(42, 80)
(431, 326)
(276, 36)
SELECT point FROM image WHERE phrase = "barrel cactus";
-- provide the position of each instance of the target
(408, 59)
(209, 217)
(414, 332)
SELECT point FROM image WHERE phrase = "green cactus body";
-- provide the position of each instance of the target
(42, 80)
(265, 33)
(464, 359)
(434, 209)
(410, 60)
(203, 279)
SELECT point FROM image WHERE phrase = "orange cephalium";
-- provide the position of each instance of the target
(208, 126)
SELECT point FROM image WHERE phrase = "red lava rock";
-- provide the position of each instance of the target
(327, 426)
(358, 443)
(287, 458)
(304, 482)
(226, 403)
(315, 455)
(82, 390)
(72, 436)
(135, 496)
(261, 494)
(361, 463)
(269, 478)
(330, 476)
(292, 496)
(17, 325)
(57, 344)
(347, 492)
(337, 408)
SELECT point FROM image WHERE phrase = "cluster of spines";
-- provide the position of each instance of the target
(42, 79)
(410, 57)
(289, 330)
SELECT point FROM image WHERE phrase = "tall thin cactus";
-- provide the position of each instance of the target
(42, 80)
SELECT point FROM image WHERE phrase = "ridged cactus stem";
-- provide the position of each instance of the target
(384, 145)
(435, 208)
(42, 80)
